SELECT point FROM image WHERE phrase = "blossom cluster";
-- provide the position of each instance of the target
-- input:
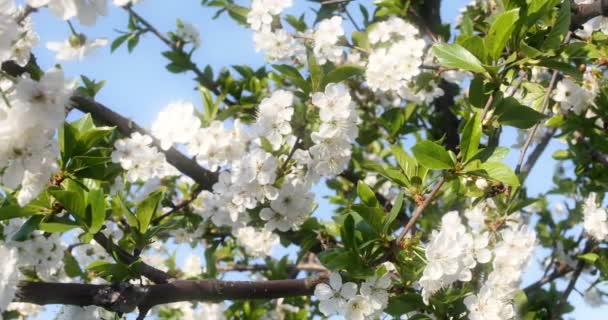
(336, 297)
(29, 118)
(454, 250)
(574, 97)
(595, 219)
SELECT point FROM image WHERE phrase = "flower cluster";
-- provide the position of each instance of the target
(257, 243)
(86, 11)
(455, 249)
(336, 297)
(289, 209)
(397, 56)
(217, 146)
(8, 276)
(175, 124)
(274, 115)
(16, 39)
(141, 159)
(326, 38)
(33, 112)
(595, 219)
(338, 130)
(451, 254)
(574, 97)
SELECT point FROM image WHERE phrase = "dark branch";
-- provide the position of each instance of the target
(185, 165)
(125, 298)
(582, 13)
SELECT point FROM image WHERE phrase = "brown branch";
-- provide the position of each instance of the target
(181, 205)
(185, 165)
(155, 275)
(125, 298)
(544, 105)
(571, 285)
(582, 13)
(537, 152)
(556, 274)
(313, 267)
(418, 212)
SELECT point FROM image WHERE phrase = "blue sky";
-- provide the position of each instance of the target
(138, 86)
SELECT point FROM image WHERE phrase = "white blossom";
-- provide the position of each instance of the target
(9, 275)
(75, 47)
(177, 123)
(189, 33)
(375, 290)
(192, 266)
(257, 243)
(595, 219)
(325, 39)
(334, 295)
(357, 308)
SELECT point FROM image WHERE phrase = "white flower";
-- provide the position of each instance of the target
(389, 68)
(333, 296)
(593, 298)
(63, 9)
(192, 266)
(9, 33)
(486, 306)
(256, 243)
(75, 47)
(325, 39)
(88, 10)
(278, 45)
(595, 219)
(577, 98)
(142, 161)
(289, 209)
(357, 308)
(177, 123)
(262, 11)
(9, 275)
(375, 289)
(189, 33)
(274, 115)
(213, 311)
(81, 313)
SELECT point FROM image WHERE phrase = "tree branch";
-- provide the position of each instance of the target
(418, 212)
(582, 13)
(185, 165)
(125, 298)
(571, 285)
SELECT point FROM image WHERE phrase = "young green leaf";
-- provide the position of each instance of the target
(146, 210)
(342, 73)
(501, 172)
(500, 32)
(432, 155)
(393, 214)
(471, 135)
(366, 194)
(456, 56)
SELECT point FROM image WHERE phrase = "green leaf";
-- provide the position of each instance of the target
(456, 56)
(73, 201)
(500, 32)
(471, 135)
(366, 194)
(372, 215)
(27, 228)
(146, 210)
(15, 211)
(394, 213)
(501, 172)
(119, 41)
(316, 72)
(58, 225)
(405, 161)
(293, 75)
(96, 209)
(561, 27)
(432, 155)
(564, 67)
(589, 257)
(71, 266)
(342, 73)
(511, 113)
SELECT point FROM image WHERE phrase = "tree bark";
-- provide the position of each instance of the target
(125, 297)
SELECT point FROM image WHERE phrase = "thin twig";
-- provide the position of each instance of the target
(571, 285)
(418, 212)
(181, 205)
(352, 20)
(537, 152)
(544, 106)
